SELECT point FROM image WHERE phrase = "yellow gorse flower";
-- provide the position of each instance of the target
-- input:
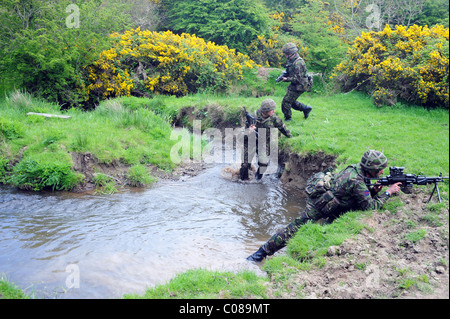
(164, 63)
(407, 62)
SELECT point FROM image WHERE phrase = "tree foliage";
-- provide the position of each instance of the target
(325, 48)
(46, 45)
(235, 23)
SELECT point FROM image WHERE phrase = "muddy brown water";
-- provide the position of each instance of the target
(66, 245)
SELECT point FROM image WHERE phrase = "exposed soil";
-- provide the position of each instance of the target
(298, 168)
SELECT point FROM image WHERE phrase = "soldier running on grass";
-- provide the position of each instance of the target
(300, 82)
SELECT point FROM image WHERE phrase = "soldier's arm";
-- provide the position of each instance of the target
(364, 197)
(282, 127)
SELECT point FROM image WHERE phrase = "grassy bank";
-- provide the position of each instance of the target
(37, 153)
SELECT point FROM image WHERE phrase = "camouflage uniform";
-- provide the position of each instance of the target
(262, 122)
(349, 192)
(346, 191)
(296, 73)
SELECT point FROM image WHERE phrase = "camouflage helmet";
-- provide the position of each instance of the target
(268, 105)
(290, 48)
(373, 160)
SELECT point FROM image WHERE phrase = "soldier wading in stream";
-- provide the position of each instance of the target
(300, 82)
(265, 118)
(331, 195)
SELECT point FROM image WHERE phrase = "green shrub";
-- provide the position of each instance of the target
(41, 53)
(52, 171)
(10, 129)
(105, 184)
(402, 63)
(3, 168)
(138, 175)
(235, 23)
(325, 48)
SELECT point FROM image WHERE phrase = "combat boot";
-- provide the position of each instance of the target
(257, 256)
(260, 172)
(258, 175)
(243, 172)
(306, 111)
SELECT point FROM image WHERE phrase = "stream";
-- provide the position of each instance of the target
(69, 245)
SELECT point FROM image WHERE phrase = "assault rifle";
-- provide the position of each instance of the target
(282, 75)
(396, 175)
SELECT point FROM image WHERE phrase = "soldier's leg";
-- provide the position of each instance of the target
(263, 161)
(248, 154)
(306, 109)
(245, 164)
(287, 103)
(280, 239)
(261, 170)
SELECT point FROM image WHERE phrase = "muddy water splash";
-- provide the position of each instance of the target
(94, 246)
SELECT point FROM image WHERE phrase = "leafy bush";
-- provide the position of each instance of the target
(3, 168)
(325, 48)
(41, 53)
(234, 23)
(9, 129)
(145, 62)
(45, 172)
(268, 50)
(105, 184)
(407, 63)
(138, 175)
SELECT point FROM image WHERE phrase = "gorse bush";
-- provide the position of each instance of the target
(406, 63)
(268, 50)
(145, 62)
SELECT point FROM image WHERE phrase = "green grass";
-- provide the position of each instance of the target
(348, 124)
(204, 284)
(136, 131)
(311, 242)
(10, 291)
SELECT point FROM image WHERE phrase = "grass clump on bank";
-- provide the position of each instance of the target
(10, 291)
(204, 284)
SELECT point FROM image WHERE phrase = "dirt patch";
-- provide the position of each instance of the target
(383, 261)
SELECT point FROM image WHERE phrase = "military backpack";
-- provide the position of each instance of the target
(319, 190)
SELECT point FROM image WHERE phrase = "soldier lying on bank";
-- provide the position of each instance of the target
(330, 196)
